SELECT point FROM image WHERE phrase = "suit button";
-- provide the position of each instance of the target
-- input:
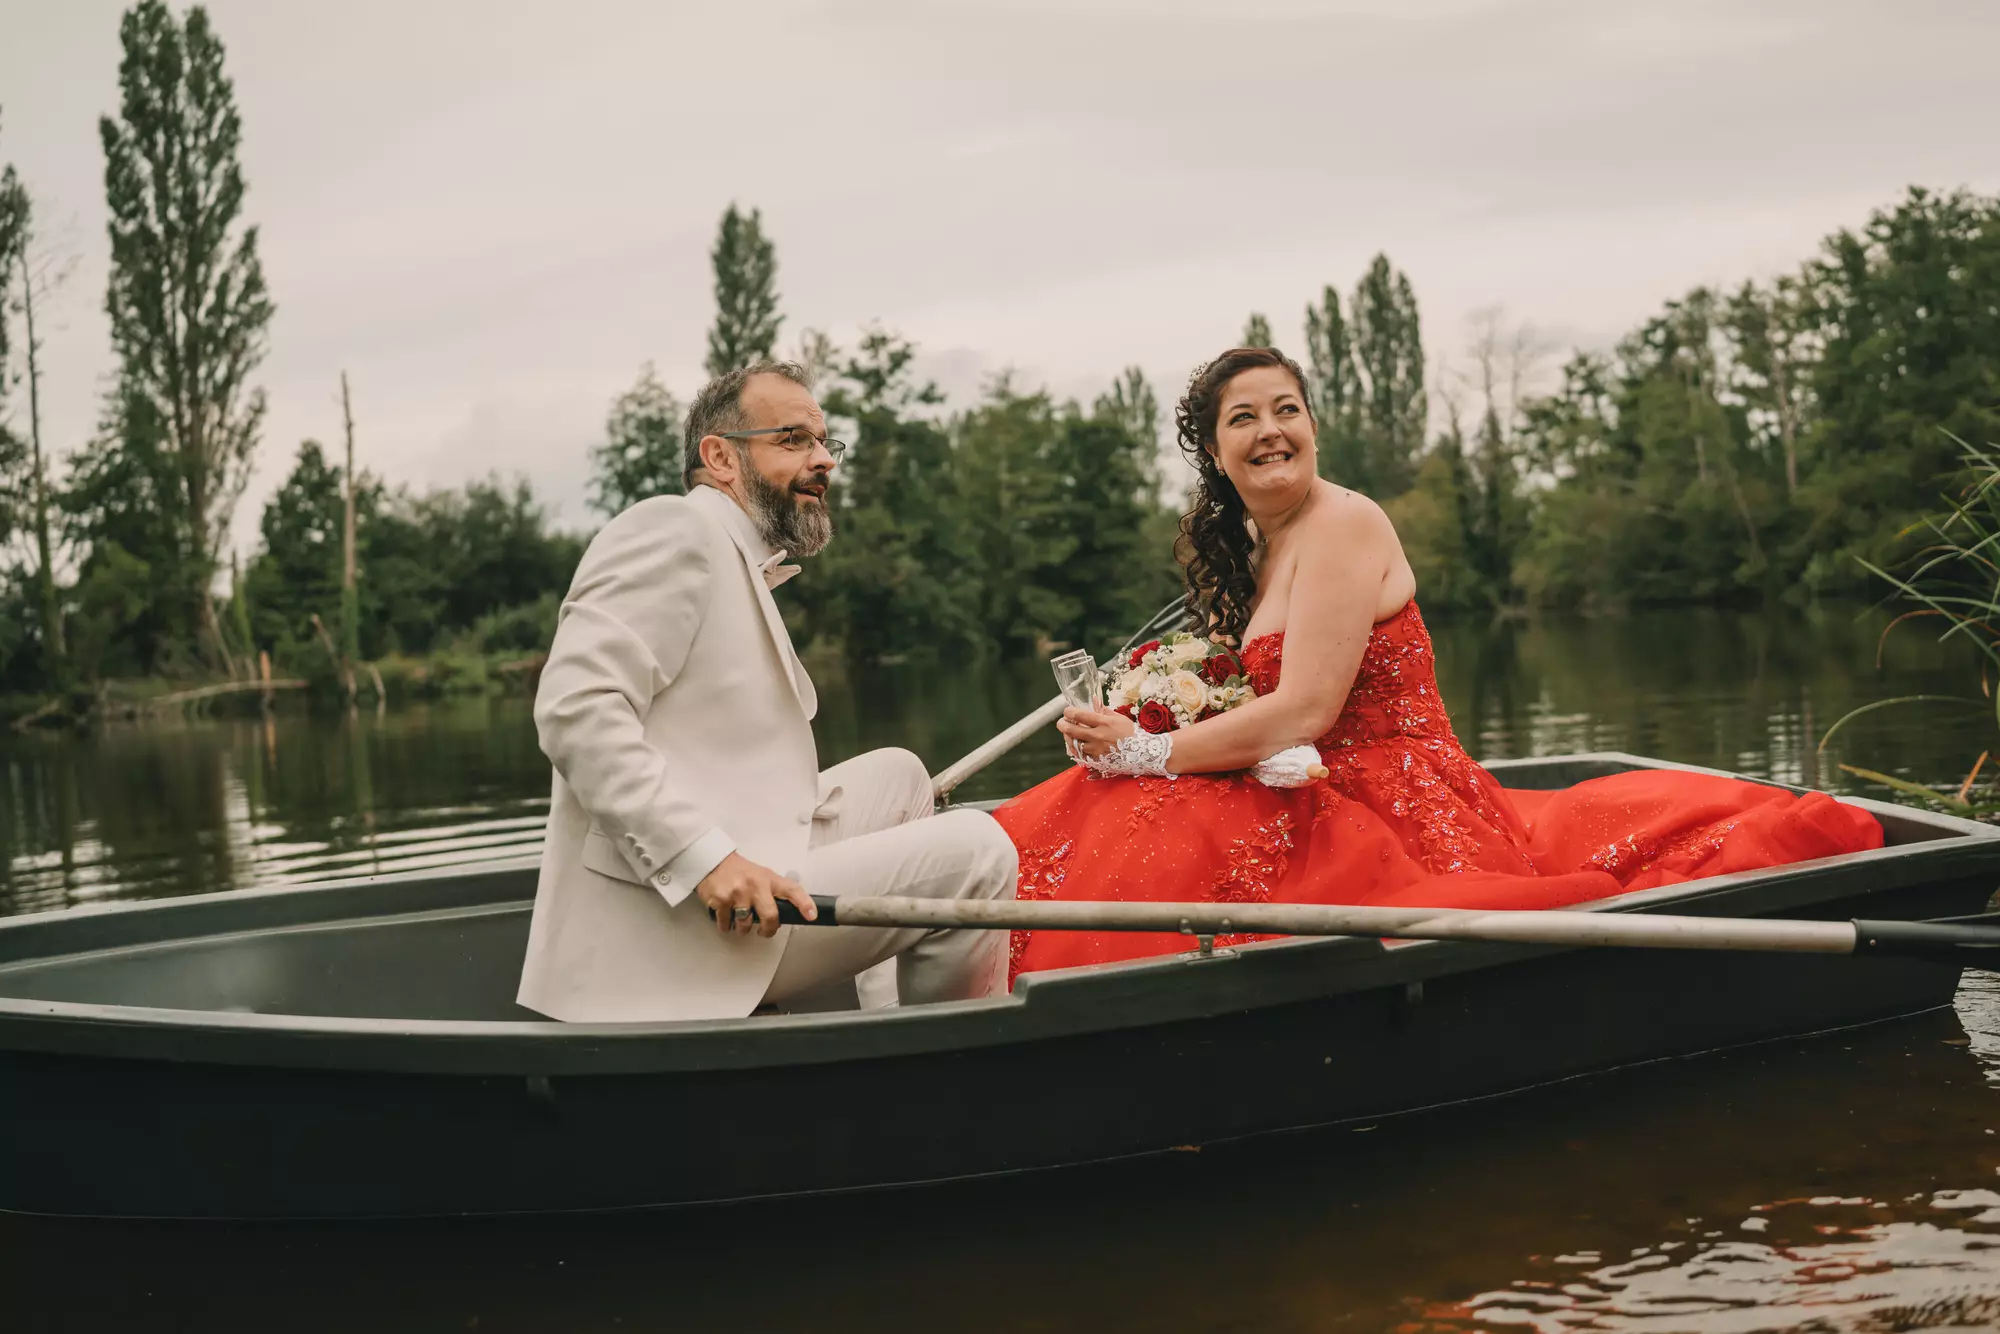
(646, 860)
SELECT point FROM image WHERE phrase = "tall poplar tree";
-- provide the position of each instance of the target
(13, 244)
(1134, 408)
(746, 302)
(26, 280)
(186, 299)
(1389, 350)
(1257, 331)
(1336, 392)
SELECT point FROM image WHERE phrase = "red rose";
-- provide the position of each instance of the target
(1219, 667)
(1155, 717)
(1123, 710)
(1141, 652)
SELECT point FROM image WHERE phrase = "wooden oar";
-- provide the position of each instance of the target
(1970, 946)
(980, 756)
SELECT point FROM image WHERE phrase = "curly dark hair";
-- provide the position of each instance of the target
(1215, 547)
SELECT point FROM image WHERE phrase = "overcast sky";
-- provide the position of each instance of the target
(490, 214)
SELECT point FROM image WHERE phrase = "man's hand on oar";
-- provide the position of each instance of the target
(743, 897)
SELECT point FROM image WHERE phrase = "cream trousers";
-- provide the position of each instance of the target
(881, 837)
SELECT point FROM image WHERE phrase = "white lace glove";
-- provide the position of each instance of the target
(1295, 766)
(1141, 755)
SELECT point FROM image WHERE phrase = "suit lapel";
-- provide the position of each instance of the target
(781, 639)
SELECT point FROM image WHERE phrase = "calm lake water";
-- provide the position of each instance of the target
(1847, 1183)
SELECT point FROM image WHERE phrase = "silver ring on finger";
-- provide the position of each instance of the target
(742, 915)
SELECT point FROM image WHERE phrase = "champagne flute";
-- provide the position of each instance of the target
(1081, 687)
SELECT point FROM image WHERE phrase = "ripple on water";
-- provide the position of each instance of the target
(247, 853)
(1824, 1264)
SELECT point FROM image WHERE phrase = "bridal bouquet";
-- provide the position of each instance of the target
(1176, 682)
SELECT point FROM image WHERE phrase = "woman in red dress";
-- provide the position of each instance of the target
(1310, 579)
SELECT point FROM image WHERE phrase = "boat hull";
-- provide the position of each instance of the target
(133, 1111)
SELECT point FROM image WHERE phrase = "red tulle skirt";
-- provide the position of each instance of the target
(1402, 823)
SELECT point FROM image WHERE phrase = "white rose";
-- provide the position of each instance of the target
(1128, 687)
(1223, 698)
(1192, 651)
(1190, 692)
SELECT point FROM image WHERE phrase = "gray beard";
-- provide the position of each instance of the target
(797, 530)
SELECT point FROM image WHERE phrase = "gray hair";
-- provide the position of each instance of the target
(719, 408)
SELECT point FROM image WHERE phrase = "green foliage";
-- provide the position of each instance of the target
(1011, 478)
(297, 574)
(118, 505)
(1256, 332)
(26, 524)
(528, 628)
(1335, 392)
(1907, 315)
(1132, 406)
(478, 565)
(641, 453)
(746, 303)
(1365, 369)
(898, 580)
(118, 591)
(1388, 348)
(1112, 576)
(13, 242)
(241, 640)
(1952, 586)
(1012, 526)
(1432, 521)
(1770, 442)
(876, 378)
(187, 305)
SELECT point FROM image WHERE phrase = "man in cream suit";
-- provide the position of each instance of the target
(677, 716)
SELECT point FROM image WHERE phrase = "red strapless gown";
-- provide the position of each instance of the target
(1406, 818)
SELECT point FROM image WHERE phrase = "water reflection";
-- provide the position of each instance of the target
(184, 808)
(1905, 1253)
(179, 808)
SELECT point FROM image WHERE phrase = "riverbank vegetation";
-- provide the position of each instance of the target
(1767, 441)
(1949, 588)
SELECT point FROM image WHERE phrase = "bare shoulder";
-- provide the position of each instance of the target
(1348, 518)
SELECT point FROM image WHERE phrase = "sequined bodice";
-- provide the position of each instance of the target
(1395, 691)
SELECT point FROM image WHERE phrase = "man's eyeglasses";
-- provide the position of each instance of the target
(795, 438)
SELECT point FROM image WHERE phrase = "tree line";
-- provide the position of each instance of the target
(1739, 445)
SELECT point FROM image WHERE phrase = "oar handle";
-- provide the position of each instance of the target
(829, 912)
(789, 915)
(1939, 942)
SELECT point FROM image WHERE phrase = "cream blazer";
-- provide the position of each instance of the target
(677, 716)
